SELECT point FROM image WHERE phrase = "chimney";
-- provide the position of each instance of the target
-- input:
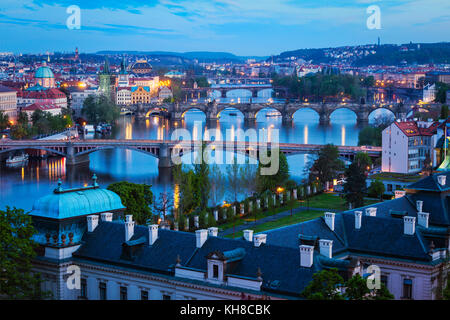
(212, 231)
(372, 212)
(200, 237)
(92, 222)
(358, 219)
(248, 235)
(419, 205)
(306, 256)
(329, 220)
(107, 216)
(326, 247)
(442, 180)
(409, 225)
(422, 219)
(152, 234)
(260, 239)
(129, 227)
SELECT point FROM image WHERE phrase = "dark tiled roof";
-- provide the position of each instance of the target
(430, 183)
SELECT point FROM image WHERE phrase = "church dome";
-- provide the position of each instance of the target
(63, 204)
(44, 72)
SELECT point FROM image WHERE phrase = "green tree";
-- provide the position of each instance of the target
(377, 189)
(279, 179)
(370, 136)
(327, 165)
(446, 291)
(17, 249)
(444, 112)
(189, 198)
(233, 178)
(324, 286)
(98, 109)
(217, 182)
(22, 118)
(137, 198)
(201, 170)
(355, 186)
(4, 121)
(441, 92)
(356, 289)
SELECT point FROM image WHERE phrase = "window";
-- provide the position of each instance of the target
(166, 297)
(83, 291)
(144, 295)
(215, 271)
(407, 289)
(102, 290)
(123, 293)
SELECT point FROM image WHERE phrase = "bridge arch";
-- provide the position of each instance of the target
(154, 110)
(382, 110)
(340, 109)
(6, 150)
(265, 93)
(150, 153)
(230, 108)
(306, 110)
(267, 109)
(239, 93)
(191, 108)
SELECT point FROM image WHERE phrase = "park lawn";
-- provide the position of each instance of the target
(286, 221)
(260, 215)
(331, 201)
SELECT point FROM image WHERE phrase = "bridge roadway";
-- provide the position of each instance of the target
(77, 151)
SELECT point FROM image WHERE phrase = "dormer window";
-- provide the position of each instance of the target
(215, 271)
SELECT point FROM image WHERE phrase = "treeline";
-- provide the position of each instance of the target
(318, 87)
(41, 123)
(100, 109)
(391, 55)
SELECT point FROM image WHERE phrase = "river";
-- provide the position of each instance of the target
(22, 186)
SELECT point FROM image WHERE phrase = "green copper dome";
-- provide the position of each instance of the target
(63, 204)
(44, 72)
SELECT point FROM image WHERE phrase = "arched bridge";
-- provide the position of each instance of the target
(77, 151)
(212, 110)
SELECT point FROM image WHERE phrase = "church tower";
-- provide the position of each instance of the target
(104, 78)
(123, 80)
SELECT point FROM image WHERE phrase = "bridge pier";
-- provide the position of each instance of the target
(287, 119)
(324, 119)
(362, 118)
(164, 157)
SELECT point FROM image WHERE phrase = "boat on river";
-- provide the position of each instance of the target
(17, 159)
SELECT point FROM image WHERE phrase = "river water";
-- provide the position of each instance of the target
(22, 186)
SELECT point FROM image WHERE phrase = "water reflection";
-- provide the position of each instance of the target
(20, 187)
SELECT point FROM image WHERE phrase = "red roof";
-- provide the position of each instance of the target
(52, 93)
(411, 129)
(40, 106)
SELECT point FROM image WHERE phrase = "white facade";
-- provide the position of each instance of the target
(406, 154)
(123, 96)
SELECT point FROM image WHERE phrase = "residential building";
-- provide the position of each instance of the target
(8, 102)
(141, 94)
(406, 145)
(51, 108)
(78, 95)
(429, 93)
(85, 229)
(38, 94)
(164, 93)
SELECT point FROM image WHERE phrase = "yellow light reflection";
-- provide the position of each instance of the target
(128, 131)
(343, 135)
(305, 135)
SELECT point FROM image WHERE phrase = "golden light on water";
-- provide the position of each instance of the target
(128, 131)
(343, 135)
(305, 135)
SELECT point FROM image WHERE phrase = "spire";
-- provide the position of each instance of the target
(106, 66)
(94, 180)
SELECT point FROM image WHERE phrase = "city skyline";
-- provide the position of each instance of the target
(217, 26)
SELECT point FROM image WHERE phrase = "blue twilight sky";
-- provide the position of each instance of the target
(243, 27)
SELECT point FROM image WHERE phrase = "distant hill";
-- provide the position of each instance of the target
(201, 56)
(387, 54)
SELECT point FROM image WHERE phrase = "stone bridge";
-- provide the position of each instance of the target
(212, 110)
(77, 151)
